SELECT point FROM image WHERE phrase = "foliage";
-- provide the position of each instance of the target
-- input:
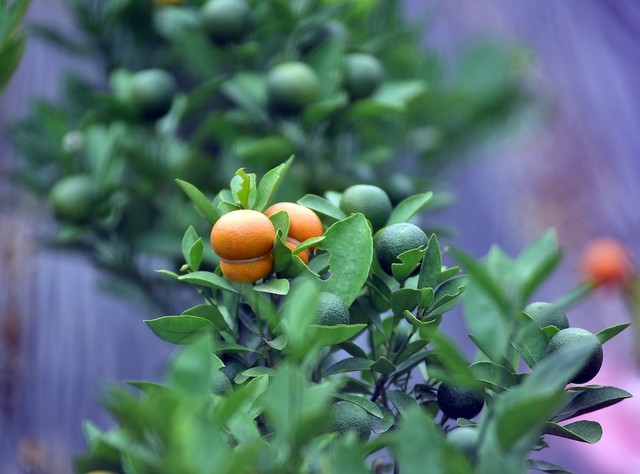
(221, 116)
(390, 360)
(12, 42)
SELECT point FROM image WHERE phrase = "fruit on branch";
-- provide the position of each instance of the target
(363, 74)
(539, 312)
(152, 92)
(292, 86)
(574, 336)
(73, 197)
(396, 239)
(304, 224)
(456, 402)
(331, 310)
(225, 21)
(370, 200)
(243, 240)
(605, 261)
(346, 416)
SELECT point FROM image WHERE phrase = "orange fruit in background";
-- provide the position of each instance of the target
(605, 261)
(304, 224)
(243, 240)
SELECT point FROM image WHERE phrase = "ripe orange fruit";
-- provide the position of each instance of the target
(605, 261)
(244, 240)
(303, 224)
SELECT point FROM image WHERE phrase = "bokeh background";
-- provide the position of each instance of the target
(62, 339)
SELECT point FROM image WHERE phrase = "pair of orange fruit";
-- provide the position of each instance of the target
(244, 239)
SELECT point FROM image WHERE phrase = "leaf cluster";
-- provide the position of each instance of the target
(390, 360)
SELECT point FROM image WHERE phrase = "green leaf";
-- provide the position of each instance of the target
(192, 368)
(524, 416)
(178, 329)
(536, 262)
(363, 402)
(253, 372)
(324, 109)
(404, 299)
(590, 399)
(200, 201)
(322, 206)
(612, 331)
(583, 430)
(410, 261)
(456, 367)
(399, 93)
(382, 425)
(275, 286)
(353, 364)
(484, 280)
(327, 62)
(208, 279)
(408, 208)
(411, 319)
(544, 466)
(332, 335)
(188, 241)
(496, 376)
(404, 403)
(383, 366)
(249, 92)
(431, 264)
(269, 185)
(350, 244)
(530, 341)
(210, 313)
(279, 342)
(243, 186)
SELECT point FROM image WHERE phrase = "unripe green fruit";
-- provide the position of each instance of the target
(370, 200)
(362, 75)
(465, 438)
(220, 384)
(556, 318)
(152, 92)
(232, 367)
(225, 20)
(396, 239)
(292, 86)
(459, 402)
(331, 310)
(346, 416)
(73, 197)
(570, 336)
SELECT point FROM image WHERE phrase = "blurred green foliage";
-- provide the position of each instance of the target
(12, 41)
(188, 90)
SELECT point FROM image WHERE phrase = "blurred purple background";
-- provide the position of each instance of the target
(61, 338)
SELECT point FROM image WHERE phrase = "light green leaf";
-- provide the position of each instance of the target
(200, 201)
(269, 185)
(408, 208)
(322, 206)
(179, 329)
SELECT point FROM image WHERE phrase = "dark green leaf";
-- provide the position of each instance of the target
(363, 402)
(410, 261)
(583, 430)
(178, 329)
(208, 279)
(351, 247)
(591, 399)
(275, 286)
(383, 366)
(381, 425)
(279, 342)
(332, 335)
(610, 332)
(431, 264)
(408, 208)
(211, 313)
(404, 299)
(404, 403)
(353, 364)
(200, 201)
(544, 466)
(322, 206)
(496, 376)
(530, 342)
(269, 185)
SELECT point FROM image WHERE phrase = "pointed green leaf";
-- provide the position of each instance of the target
(279, 342)
(365, 403)
(322, 206)
(211, 313)
(408, 208)
(410, 261)
(332, 335)
(275, 286)
(404, 299)
(208, 279)
(591, 399)
(383, 366)
(404, 403)
(200, 201)
(610, 332)
(353, 364)
(544, 466)
(495, 375)
(178, 329)
(269, 185)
